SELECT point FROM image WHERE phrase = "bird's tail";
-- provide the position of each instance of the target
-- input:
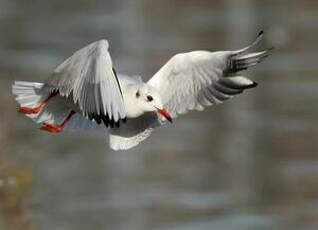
(31, 95)
(28, 94)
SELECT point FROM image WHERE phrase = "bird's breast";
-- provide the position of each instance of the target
(132, 111)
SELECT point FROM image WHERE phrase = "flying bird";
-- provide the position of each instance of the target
(86, 93)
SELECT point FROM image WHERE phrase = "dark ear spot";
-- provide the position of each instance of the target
(137, 94)
(149, 98)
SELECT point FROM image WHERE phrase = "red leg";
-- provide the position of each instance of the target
(27, 110)
(38, 108)
(57, 128)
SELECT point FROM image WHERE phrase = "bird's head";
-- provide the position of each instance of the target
(149, 100)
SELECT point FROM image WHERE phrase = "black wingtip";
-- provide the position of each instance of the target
(253, 85)
(260, 33)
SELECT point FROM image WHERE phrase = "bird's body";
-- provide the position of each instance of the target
(85, 92)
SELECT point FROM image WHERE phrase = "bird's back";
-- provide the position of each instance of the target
(125, 80)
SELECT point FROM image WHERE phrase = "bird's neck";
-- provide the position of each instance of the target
(131, 103)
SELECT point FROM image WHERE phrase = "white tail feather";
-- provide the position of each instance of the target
(30, 94)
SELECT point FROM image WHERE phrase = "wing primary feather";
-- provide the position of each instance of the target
(111, 123)
(218, 95)
(226, 90)
(203, 100)
(88, 76)
(105, 120)
(116, 77)
(239, 63)
(257, 40)
(210, 97)
(239, 83)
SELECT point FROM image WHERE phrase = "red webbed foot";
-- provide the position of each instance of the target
(51, 128)
(38, 108)
(28, 110)
(57, 128)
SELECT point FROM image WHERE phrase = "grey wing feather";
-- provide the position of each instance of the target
(201, 78)
(88, 77)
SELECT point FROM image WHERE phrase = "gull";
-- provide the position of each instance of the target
(86, 93)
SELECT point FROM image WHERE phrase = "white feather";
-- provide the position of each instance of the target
(89, 76)
(201, 78)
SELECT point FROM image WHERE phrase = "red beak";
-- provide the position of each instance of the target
(165, 114)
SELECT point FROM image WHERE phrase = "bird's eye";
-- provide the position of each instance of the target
(137, 94)
(149, 98)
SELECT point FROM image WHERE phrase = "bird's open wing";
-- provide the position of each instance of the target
(201, 78)
(88, 76)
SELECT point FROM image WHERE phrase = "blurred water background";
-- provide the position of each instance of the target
(250, 163)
